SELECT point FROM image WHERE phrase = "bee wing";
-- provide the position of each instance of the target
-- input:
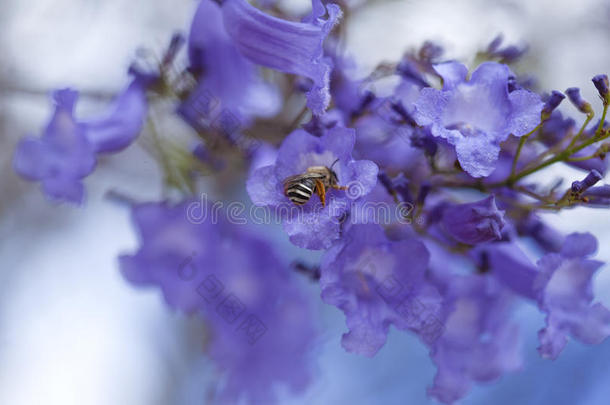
(300, 177)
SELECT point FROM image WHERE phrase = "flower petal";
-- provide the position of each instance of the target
(263, 187)
(340, 141)
(526, 110)
(226, 75)
(315, 229)
(64, 189)
(477, 155)
(453, 73)
(122, 125)
(298, 151)
(29, 159)
(579, 245)
(291, 47)
(61, 157)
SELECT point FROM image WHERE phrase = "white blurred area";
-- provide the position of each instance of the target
(71, 330)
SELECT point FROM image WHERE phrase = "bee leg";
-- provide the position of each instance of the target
(321, 191)
(337, 187)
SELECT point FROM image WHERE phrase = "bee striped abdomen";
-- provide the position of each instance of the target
(300, 192)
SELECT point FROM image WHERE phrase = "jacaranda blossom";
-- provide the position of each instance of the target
(561, 286)
(479, 342)
(377, 283)
(227, 81)
(259, 322)
(66, 152)
(565, 294)
(312, 225)
(291, 47)
(476, 115)
(61, 157)
(473, 223)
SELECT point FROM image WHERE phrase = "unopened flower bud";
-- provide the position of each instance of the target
(601, 84)
(552, 103)
(573, 94)
(474, 223)
(593, 177)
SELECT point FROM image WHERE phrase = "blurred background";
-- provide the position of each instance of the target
(73, 332)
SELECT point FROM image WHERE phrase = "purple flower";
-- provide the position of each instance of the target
(474, 223)
(312, 225)
(290, 47)
(561, 285)
(66, 152)
(259, 322)
(226, 79)
(565, 294)
(61, 157)
(479, 343)
(377, 283)
(477, 115)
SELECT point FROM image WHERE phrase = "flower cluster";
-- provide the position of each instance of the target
(261, 326)
(272, 102)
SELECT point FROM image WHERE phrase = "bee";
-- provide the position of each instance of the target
(317, 179)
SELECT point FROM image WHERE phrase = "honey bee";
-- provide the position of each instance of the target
(317, 179)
